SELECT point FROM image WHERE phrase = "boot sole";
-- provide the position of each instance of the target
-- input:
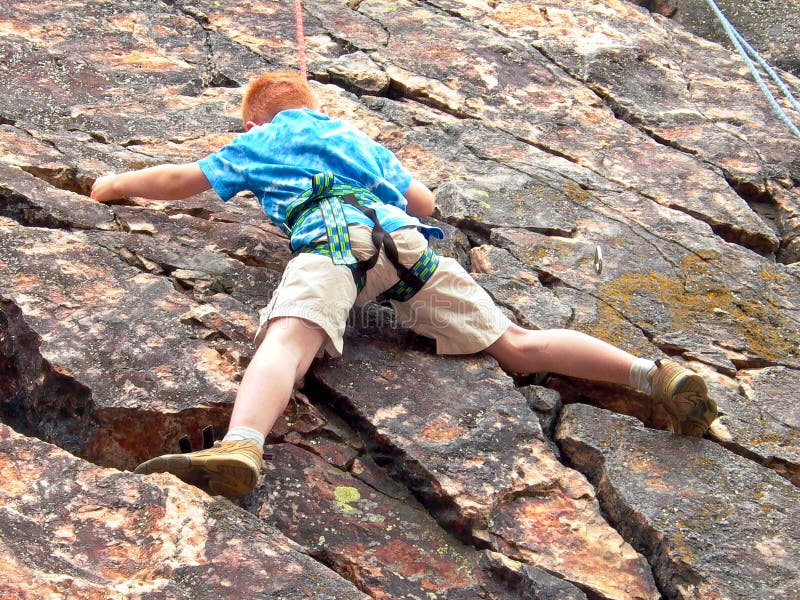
(215, 475)
(700, 418)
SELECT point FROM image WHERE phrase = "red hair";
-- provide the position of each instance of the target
(271, 93)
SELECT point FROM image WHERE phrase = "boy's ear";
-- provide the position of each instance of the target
(249, 125)
(323, 109)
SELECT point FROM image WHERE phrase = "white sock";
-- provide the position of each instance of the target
(236, 434)
(640, 369)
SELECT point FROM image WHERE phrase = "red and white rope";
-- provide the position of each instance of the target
(301, 39)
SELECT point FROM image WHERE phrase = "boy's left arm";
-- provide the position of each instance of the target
(163, 182)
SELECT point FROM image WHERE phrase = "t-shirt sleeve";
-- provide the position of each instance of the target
(225, 170)
(392, 170)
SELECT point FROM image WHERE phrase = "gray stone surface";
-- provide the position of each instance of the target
(730, 533)
(74, 530)
(762, 24)
(473, 451)
(547, 132)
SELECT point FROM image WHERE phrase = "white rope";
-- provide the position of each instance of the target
(744, 48)
(770, 71)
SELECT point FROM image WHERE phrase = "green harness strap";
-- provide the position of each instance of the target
(329, 199)
(326, 197)
(422, 269)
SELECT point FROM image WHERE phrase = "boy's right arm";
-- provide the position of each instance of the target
(163, 182)
(420, 200)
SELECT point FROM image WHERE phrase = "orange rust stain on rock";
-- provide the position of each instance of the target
(441, 430)
(146, 60)
(526, 14)
(405, 558)
(480, 260)
(12, 482)
(597, 556)
(26, 281)
(438, 567)
(508, 152)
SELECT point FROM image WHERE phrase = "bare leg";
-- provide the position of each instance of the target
(561, 351)
(679, 394)
(232, 467)
(284, 356)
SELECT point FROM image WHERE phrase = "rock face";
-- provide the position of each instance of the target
(728, 507)
(760, 23)
(551, 133)
(75, 530)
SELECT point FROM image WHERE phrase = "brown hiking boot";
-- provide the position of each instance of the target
(230, 469)
(683, 395)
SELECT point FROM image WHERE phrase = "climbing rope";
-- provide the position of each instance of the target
(301, 38)
(746, 51)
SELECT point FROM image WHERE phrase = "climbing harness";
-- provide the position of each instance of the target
(301, 39)
(330, 199)
(208, 442)
(745, 50)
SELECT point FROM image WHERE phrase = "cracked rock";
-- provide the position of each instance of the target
(693, 508)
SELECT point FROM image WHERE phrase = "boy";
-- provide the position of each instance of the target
(351, 211)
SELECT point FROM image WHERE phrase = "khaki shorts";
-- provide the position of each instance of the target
(451, 308)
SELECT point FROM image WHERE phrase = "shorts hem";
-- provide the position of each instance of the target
(455, 348)
(333, 346)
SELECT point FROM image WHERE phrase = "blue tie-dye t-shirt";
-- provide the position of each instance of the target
(277, 161)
